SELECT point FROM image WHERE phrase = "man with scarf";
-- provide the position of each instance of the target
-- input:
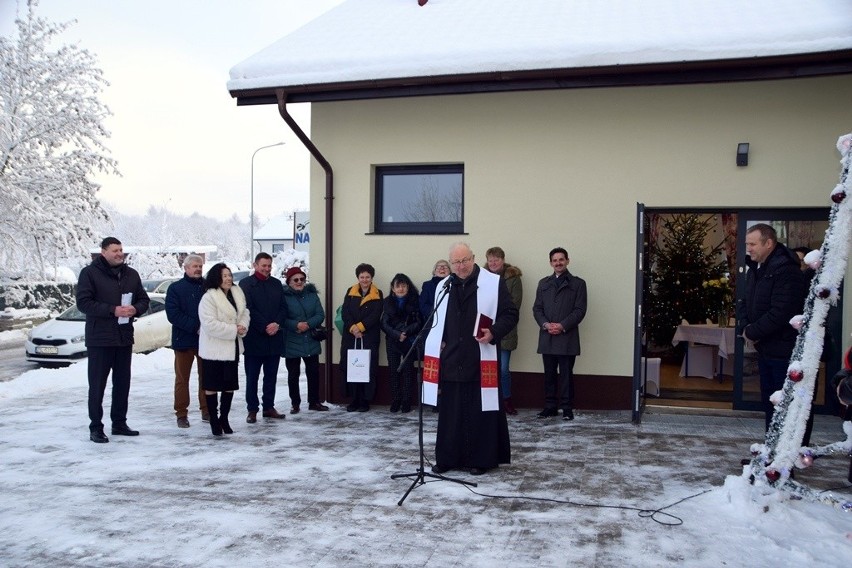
(474, 312)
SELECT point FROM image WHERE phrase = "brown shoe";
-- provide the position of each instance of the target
(294, 409)
(272, 413)
(509, 407)
(182, 422)
(317, 406)
(251, 418)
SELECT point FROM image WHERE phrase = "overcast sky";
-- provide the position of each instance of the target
(177, 134)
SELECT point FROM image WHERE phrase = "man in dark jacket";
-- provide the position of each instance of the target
(182, 299)
(110, 293)
(775, 290)
(264, 342)
(560, 306)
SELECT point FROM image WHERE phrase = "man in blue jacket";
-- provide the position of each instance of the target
(264, 342)
(110, 293)
(182, 299)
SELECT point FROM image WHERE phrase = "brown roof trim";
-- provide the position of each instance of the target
(728, 70)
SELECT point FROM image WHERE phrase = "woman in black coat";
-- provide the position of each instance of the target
(401, 321)
(362, 312)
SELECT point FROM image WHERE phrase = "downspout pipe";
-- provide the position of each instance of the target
(281, 95)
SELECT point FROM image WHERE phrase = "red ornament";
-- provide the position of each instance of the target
(824, 293)
(796, 375)
(422, 2)
(838, 197)
(773, 475)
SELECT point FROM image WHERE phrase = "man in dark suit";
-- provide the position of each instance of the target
(264, 342)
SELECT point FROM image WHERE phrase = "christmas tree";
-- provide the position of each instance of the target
(774, 460)
(681, 269)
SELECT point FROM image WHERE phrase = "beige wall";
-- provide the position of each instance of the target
(566, 168)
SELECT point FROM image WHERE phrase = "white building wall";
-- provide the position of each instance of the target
(566, 168)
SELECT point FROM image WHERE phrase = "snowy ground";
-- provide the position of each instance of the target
(315, 490)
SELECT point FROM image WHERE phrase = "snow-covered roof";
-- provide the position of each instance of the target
(276, 229)
(375, 40)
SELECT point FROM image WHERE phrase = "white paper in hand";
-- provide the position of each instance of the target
(126, 299)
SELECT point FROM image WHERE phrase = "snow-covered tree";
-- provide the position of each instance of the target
(51, 143)
(161, 227)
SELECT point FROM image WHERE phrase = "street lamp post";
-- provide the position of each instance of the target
(251, 243)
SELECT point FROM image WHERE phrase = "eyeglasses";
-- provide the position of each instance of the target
(461, 261)
(297, 279)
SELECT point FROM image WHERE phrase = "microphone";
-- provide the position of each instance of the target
(449, 283)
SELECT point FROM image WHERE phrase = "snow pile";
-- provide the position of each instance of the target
(315, 490)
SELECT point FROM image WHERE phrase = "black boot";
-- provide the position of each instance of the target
(212, 405)
(224, 409)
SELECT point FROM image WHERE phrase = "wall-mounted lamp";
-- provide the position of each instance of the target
(742, 154)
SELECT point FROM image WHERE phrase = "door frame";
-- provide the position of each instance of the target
(743, 214)
(640, 371)
(832, 365)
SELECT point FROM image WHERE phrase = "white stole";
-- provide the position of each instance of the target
(486, 302)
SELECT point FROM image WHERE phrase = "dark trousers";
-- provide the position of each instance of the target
(400, 382)
(558, 381)
(183, 369)
(311, 373)
(102, 360)
(253, 365)
(773, 373)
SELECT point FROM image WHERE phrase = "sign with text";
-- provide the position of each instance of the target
(302, 231)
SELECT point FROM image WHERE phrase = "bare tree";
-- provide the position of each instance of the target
(432, 205)
(51, 142)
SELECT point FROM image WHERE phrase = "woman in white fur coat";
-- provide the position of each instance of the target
(224, 321)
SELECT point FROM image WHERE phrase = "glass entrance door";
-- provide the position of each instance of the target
(796, 228)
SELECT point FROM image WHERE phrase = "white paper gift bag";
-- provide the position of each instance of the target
(358, 364)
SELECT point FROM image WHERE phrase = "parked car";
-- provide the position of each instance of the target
(61, 340)
(158, 286)
(240, 274)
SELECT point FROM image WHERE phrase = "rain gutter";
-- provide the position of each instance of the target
(281, 95)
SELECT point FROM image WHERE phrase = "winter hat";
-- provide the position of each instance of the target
(292, 271)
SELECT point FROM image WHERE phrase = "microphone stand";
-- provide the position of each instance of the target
(419, 476)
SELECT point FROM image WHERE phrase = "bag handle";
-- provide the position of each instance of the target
(355, 345)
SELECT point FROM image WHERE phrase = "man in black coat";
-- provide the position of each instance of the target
(775, 292)
(264, 342)
(182, 299)
(110, 293)
(470, 436)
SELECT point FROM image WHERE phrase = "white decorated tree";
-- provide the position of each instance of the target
(774, 461)
(51, 143)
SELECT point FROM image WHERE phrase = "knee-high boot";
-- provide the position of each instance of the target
(212, 405)
(224, 410)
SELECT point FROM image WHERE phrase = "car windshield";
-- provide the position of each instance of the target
(72, 314)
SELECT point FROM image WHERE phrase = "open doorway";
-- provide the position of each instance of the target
(692, 266)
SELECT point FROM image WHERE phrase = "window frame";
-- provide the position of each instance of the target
(415, 227)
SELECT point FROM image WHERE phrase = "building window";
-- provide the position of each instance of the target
(420, 199)
(277, 248)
